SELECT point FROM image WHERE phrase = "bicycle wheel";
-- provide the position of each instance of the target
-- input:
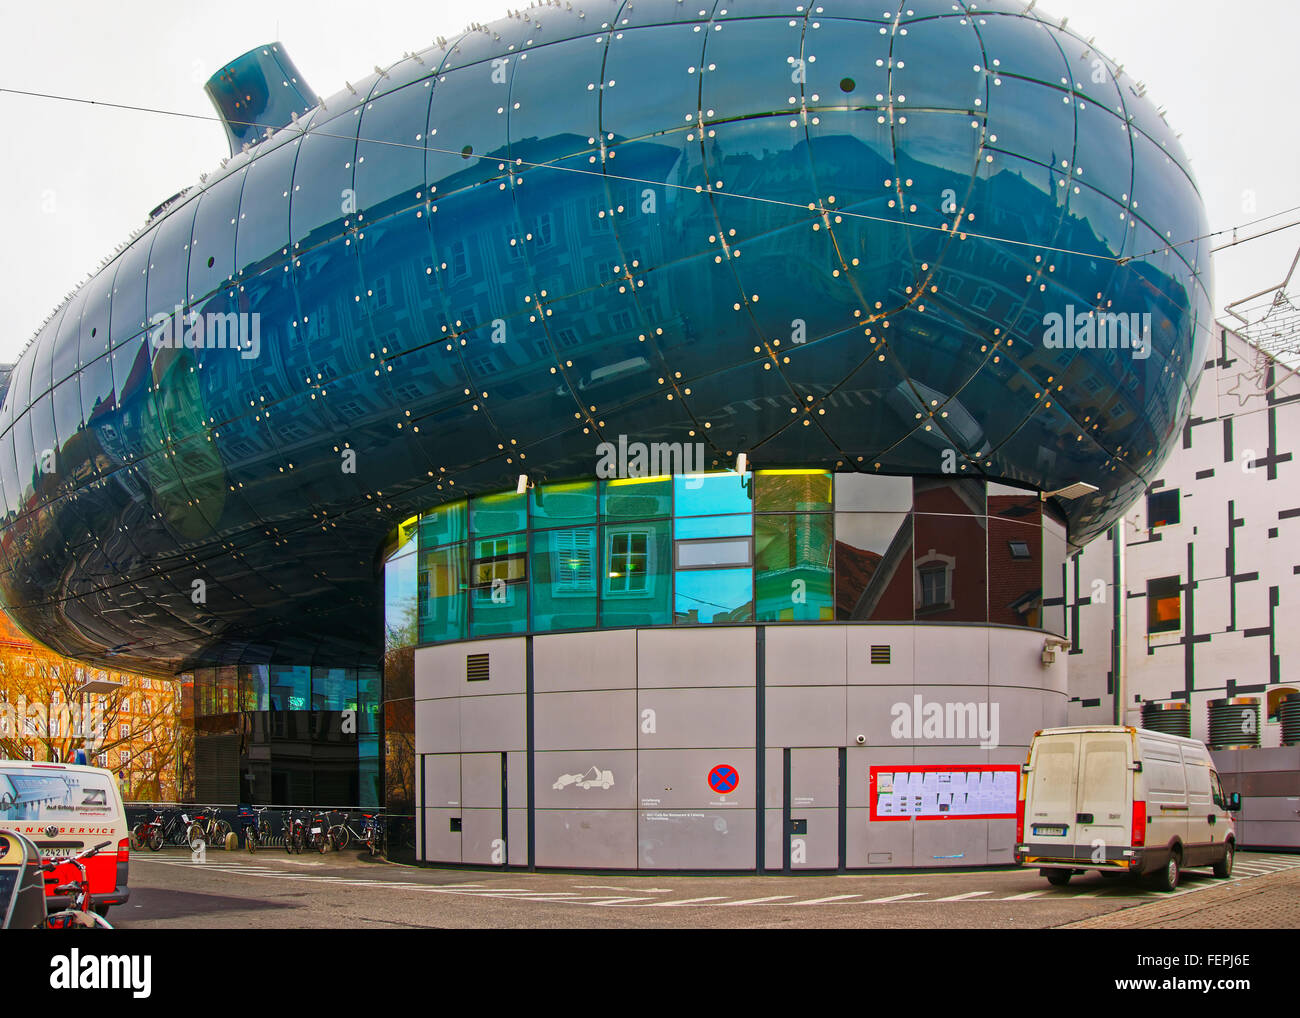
(322, 843)
(250, 840)
(342, 840)
(193, 834)
(155, 840)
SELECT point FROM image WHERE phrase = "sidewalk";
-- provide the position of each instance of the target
(1266, 902)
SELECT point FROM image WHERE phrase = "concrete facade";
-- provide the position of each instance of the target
(620, 730)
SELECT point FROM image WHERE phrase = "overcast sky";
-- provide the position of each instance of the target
(78, 178)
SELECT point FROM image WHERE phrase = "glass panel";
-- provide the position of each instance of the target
(320, 179)
(65, 343)
(333, 689)
(1015, 572)
(401, 598)
(873, 567)
(255, 681)
(369, 695)
(212, 244)
(563, 576)
(169, 261)
(390, 154)
(262, 237)
(444, 525)
(290, 687)
(873, 494)
(964, 497)
(636, 585)
(712, 494)
(795, 578)
(42, 353)
(444, 596)
(636, 498)
(127, 311)
(714, 595)
(696, 527)
(498, 514)
(725, 552)
(951, 568)
(792, 490)
(1014, 503)
(564, 504)
(498, 584)
(93, 339)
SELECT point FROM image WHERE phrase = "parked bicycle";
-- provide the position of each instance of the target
(79, 915)
(208, 828)
(317, 833)
(149, 832)
(256, 827)
(295, 833)
(372, 832)
(342, 833)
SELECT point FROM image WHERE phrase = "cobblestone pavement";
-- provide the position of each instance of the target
(1271, 901)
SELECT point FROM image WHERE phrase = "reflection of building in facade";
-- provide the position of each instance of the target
(129, 724)
(844, 277)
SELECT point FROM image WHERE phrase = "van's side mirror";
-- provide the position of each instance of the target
(1234, 802)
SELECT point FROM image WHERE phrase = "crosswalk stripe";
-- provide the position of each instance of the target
(896, 897)
(1023, 897)
(687, 901)
(823, 901)
(964, 897)
(756, 901)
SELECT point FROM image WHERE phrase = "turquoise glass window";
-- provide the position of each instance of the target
(795, 579)
(498, 575)
(636, 585)
(564, 572)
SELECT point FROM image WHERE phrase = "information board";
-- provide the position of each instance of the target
(977, 792)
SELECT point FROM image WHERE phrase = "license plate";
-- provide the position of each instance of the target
(315, 830)
(1049, 830)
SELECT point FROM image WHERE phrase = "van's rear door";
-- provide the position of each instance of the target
(1104, 801)
(1049, 803)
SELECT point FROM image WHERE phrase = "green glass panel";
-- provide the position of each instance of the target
(792, 491)
(636, 586)
(498, 514)
(563, 573)
(636, 498)
(795, 579)
(445, 525)
(498, 576)
(558, 505)
(444, 594)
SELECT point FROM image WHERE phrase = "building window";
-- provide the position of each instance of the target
(1019, 549)
(934, 585)
(574, 552)
(629, 562)
(1164, 605)
(1163, 508)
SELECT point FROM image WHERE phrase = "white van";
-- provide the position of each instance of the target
(1122, 800)
(64, 809)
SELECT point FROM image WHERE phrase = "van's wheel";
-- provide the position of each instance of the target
(1223, 870)
(1167, 878)
(1059, 878)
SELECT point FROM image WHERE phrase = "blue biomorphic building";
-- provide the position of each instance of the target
(414, 432)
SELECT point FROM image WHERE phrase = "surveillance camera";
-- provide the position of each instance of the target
(862, 740)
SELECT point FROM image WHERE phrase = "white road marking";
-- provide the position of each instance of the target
(756, 901)
(823, 901)
(896, 897)
(964, 897)
(687, 901)
(1023, 897)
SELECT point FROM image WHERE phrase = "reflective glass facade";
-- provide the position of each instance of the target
(837, 248)
(769, 546)
(285, 735)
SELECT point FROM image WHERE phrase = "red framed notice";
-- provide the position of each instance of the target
(944, 792)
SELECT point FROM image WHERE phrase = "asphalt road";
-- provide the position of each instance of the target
(350, 891)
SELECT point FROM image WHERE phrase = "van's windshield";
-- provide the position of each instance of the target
(56, 795)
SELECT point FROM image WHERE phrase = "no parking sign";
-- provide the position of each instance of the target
(724, 778)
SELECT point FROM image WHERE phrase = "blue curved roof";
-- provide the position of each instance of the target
(828, 237)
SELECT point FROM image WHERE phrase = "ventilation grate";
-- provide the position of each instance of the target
(476, 668)
(880, 653)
